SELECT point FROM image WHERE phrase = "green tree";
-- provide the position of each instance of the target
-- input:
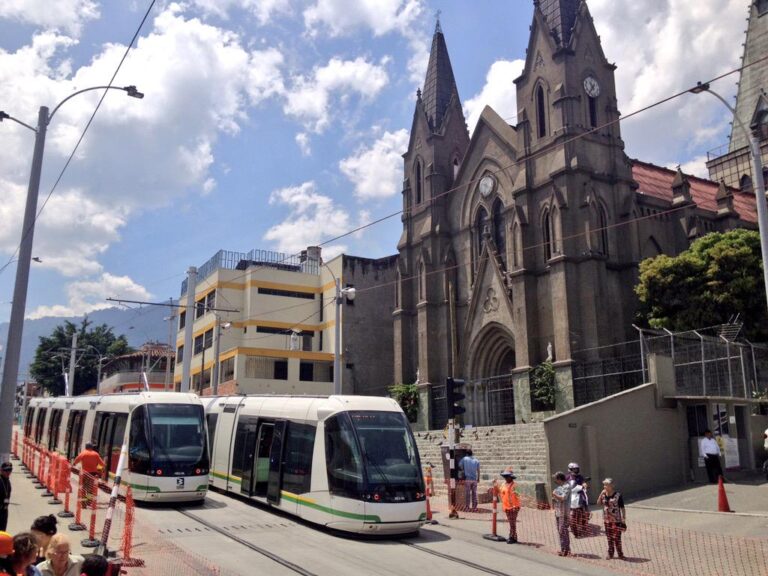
(719, 276)
(52, 355)
(407, 395)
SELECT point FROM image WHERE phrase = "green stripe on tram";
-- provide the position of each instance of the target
(310, 504)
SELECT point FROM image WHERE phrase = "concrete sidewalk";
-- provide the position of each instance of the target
(27, 503)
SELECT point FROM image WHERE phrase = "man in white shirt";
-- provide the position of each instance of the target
(709, 450)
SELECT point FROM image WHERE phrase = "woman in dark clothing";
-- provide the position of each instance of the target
(614, 517)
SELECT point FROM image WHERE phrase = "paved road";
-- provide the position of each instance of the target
(436, 551)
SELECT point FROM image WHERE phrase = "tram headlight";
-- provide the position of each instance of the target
(159, 472)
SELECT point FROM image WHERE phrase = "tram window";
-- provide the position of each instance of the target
(343, 459)
(53, 429)
(39, 424)
(177, 434)
(28, 422)
(389, 448)
(96, 428)
(240, 455)
(297, 465)
(116, 441)
(74, 434)
(212, 421)
(138, 446)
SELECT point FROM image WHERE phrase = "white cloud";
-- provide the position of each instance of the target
(90, 295)
(340, 17)
(663, 47)
(199, 82)
(302, 139)
(309, 99)
(695, 167)
(377, 171)
(68, 15)
(264, 10)
(313, 218)
(499, 92)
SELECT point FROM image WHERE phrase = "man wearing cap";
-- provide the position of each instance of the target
(5, 493)
(510, 503)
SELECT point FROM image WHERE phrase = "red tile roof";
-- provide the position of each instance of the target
(657, 182)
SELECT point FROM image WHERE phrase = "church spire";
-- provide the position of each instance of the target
(560, 16)
(751, 102)
(439, 84)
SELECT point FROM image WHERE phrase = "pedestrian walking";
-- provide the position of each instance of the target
(709, 450)
(469, 466)
(614, 517)
(43, 529)
(61, 561)
(92, 466)
(510, 503)
(579, 501)
(24, 555)
(5, 493)
(562, 504)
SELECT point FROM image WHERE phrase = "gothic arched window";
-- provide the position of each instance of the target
(592, 112)
(418, 183)
(541, 113)
(745, 184)
(422, 282)
(499, 231)
(398, 290)
(481, 221)
(455, 168)
(517, 246)
(546, 231)
(602, 223)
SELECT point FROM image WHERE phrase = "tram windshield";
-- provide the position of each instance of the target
(378, 461)
(168, 439)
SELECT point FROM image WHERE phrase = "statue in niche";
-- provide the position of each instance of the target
(550, 357)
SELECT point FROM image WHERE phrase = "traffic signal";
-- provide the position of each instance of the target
(453, 396)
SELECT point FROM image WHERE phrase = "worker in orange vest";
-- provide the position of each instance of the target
(510, 503)
(92, 465)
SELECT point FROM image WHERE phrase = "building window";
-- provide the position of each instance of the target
(281, 370)
(422, 282)
(745, 184)
(592, 112)
(546, 229)
(541, 112)
(263, 367)
(210, 300)
(306, 371)
(182, 319)
(499, 231)
(179, 354)
(208, 339)
(455, 168)
(287, 293)
(198, 344)
(306, 341)
(199, 308)
(418, 183)
(227, 369)
(762, 7)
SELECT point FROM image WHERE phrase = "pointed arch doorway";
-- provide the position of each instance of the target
(491, 362)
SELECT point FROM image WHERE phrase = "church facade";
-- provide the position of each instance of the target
(521, 242)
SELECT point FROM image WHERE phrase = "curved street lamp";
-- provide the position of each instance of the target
(16, 324)
(759, 180)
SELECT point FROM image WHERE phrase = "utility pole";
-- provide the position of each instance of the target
(70, 383)
(188, 326)
(171, 346)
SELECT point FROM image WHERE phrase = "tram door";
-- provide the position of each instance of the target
(275, 478)
(260, 473)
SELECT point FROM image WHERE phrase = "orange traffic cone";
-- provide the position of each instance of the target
(722, 499)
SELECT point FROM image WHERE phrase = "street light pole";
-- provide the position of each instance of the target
(758, 181)
(16, 323)
(339, 295)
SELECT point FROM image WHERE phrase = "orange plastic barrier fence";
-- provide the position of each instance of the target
(78, 525)
(15, 445)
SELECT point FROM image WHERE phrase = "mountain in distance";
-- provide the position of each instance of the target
(139, 325)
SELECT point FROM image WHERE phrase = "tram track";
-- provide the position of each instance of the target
(304, 572)
(258, 549)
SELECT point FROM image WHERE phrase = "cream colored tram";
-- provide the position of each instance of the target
(346, 462)
(167, 443)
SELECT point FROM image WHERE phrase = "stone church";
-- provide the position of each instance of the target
(521, 243)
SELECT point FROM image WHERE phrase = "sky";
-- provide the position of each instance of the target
(279, 124)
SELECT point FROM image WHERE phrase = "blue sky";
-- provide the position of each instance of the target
(278, 124)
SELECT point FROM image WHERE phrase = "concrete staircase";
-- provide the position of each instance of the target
(522, 446)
